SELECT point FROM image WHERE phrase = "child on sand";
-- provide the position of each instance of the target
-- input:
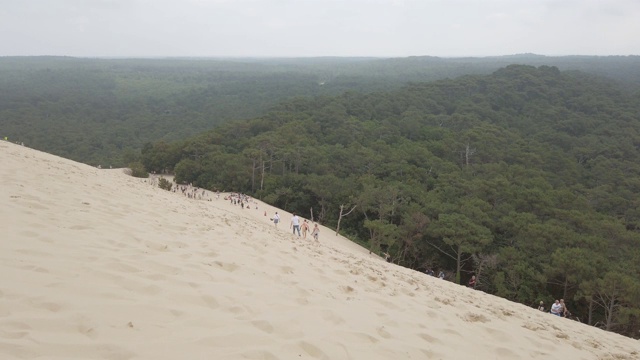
(472, 282)
(315, 232)
(305, 228)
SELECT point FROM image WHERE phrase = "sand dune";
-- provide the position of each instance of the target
(95, 264)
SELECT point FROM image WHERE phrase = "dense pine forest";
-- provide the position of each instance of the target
(102, 111)
(527, 178)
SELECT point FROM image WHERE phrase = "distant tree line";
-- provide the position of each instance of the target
(102, 111)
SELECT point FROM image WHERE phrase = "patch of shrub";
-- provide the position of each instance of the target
(138, 170)
(165, 184)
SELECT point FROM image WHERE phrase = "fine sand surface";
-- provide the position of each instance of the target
(95, 264)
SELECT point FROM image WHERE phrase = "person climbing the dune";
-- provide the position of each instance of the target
(305, 228)
(316, 232)
(472, 282)
(295, 224)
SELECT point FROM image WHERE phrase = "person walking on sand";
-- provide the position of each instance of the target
(472, 282)
(276, 219)
(565, 311)
(305, 228)
(316, 232)
(295, 223)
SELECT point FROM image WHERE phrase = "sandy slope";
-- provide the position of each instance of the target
(98, 265)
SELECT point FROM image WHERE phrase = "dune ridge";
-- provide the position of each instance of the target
(95, 264)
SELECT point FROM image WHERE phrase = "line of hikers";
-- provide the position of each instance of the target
(297, 226)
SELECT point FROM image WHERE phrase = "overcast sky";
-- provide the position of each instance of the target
(386, 28)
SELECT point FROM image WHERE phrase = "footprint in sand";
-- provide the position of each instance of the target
(535, 354)
(13, 335)
(211, 254)
(407, 292)
(383, 333)
(176, 313)
(46, 239)
(332, 317)
(156, 277)
(79, 227)
(29, 234)
(534, 326)
(504, 353)
(37, 206)
(118, 244)
(452, 332)
(430, 339)
(430, 354)
(227, 266)
(122, 267)
(312, 350)
(471, 317)
(51, 306)
(39, 269)
(210, 301)
(535, 341)
(35, 226)
(263, 325)
(433, 314)
(259, 355)
(302, 301)
(445, 301)
(84, 326)
(33, 252)
(156, 247)
(286, 270)
(386, 304)
(340, 272)
(498, 334)
(148, 290)
(358, 338)
(347, 289)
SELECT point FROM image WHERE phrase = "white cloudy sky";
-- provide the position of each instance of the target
(132, 28)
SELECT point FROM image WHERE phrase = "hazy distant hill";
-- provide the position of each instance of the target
(94, 110)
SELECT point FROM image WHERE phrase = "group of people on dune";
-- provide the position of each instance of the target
(558, 308)
(300, 228)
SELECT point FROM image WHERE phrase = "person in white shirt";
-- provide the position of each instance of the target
(295, 223)
(556, 308)
(276, 219)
